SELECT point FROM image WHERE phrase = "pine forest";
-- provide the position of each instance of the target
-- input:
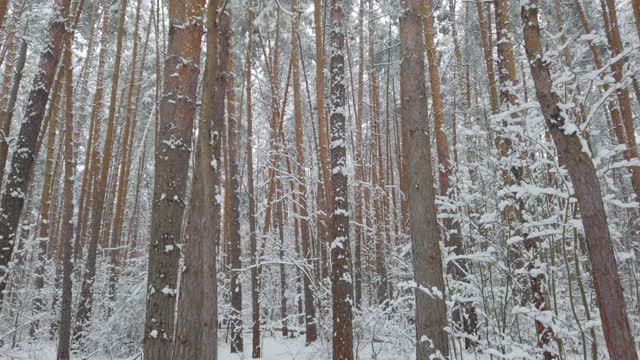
(319, 179)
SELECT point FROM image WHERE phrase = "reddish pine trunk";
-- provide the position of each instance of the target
(22, 161)
(583, 175)
(172, 155)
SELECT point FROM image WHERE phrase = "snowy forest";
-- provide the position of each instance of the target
(309, 179)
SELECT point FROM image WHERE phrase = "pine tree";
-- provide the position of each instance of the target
(173, 143)
(22, 161)
(431, 320)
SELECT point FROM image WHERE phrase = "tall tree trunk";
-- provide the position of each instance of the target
(378, 170)
(624, 99)
(7, 112)
(358, 158)
(235, 239)
(100, 186)
(614, 110)
(341, 288)
(320, 108)
(253, 240)
(431, 318)
(22, 161)
(86, 295)
(485, 38)
(311, 334)
(172, 155)
(66, 233)
(123, 174)
(583, 175)
(198, 283)
(44, 233)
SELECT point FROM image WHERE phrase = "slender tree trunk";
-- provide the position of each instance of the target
(7, 112)
(320, 108)
(66, 233)
(587, 190)
(253, 240)
(101, 187)
(123, 174)
(44, 234)
(340, 253)
(22, 161)
(485, 37)
(309, 307)
(360, 234)
(431, 318)
(624, 99)
(234, 237)
(377, 172)
(86, 295)
(172, 155)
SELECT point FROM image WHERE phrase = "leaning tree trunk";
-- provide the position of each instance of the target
(431, 311)
(341, 288)
(22, 161)
(172, 155)
(583, 175)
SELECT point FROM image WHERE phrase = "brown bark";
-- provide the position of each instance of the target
(22, 161)
(7, 78)
(622, 92)
(102, 170)
(172, 155)
(587, 190)
(196, 328)
(66, 233)
(339, 228)
(44, 233)
(430, 310)
(320, 108)
(233, 225)
(485, 37)
(442, 143)
(7, 112)
(378, 169)
(124, 165)
(635, 5)
(360, 234)
(86, 296)
(311, 334)
(253, 241)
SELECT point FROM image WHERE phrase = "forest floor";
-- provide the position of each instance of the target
(275, 348)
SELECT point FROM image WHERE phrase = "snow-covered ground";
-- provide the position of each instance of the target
(274, 348)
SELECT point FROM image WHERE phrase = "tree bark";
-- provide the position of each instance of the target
(23, 160)
(340, 253)
(172, 155)
(66, 233)
(234, 237)
(253, 241)
(197, 309)
(624, 99)
(320, 108)
(311, 334)
(431, 310)
(583, 175)
(124, 165)
(100, 186)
